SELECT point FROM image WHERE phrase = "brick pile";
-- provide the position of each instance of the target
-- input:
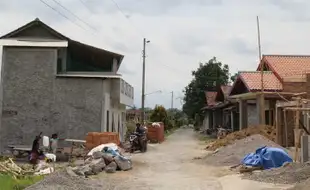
(94, 139)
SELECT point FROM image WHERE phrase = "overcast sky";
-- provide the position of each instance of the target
(182, 34)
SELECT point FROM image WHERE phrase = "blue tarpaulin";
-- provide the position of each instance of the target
(267, 157)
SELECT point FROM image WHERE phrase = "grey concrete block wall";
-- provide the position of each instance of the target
(34, 100)
(252, 115)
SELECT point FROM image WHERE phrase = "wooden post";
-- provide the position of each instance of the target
(232, 120)
(297, 131)
(279, 130)
(260, 102)
(286, 129)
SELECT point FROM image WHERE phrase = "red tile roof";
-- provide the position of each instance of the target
(288, 65)
(252, 79)
(210, 97)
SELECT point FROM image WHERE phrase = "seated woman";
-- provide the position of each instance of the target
(36, 154)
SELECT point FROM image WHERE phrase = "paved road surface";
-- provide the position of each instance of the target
(171, 166)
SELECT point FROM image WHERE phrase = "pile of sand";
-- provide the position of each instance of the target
(265, 130)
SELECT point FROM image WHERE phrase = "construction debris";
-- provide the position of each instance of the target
(264, 130)
(105, 157)
(8, 166)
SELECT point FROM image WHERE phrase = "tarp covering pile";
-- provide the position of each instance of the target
(267, 158)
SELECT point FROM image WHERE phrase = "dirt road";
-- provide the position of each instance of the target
(170, 166)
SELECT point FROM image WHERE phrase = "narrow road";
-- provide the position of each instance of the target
(170, 166)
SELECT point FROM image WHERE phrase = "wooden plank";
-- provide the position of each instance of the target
(297, 109)
(23, 149)
(75, 140)
(286, 104)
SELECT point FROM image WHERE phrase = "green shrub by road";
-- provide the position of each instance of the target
(7, 182)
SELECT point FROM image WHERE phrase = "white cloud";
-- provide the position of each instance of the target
(182, 33)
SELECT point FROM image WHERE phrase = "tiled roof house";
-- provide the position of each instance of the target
(285, 73)
(210, 97)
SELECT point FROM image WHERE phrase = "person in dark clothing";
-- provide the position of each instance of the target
(140, 130)
(35, 153)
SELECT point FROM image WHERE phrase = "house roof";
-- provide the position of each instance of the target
(252, 80)
(71, 42)
(226, 89)
(210, 97)
(223, 92)
(287, 65)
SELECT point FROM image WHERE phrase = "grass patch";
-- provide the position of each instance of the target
(7, 182)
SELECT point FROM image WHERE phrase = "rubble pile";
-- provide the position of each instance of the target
(99, 161)
(233, 154)
(264, 130)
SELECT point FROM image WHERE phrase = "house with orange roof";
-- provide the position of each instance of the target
(214, 111)
(283, 77)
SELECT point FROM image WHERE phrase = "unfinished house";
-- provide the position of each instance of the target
(246, 90)
(53, 84)
(285, 76)
(217, 111)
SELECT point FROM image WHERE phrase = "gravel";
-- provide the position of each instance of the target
(60, 180)
(290, 174)
(233, 153)
(302, 186)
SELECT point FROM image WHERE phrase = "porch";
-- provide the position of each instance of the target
(253, 114)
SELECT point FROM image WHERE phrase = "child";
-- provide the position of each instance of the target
(54, 143)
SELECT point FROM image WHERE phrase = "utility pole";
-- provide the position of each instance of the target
(171, 100)
(262, 98)
(143, 81)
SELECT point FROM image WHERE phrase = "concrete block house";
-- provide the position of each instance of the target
(53, 84)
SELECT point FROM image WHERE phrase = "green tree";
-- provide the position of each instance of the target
(178, 117)
(234, 77)
(207, 77)
(159, 114)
